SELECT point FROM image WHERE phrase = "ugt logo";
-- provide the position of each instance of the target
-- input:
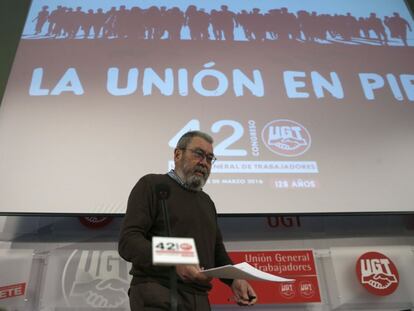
(306, 289)
(377, 273)
(287, 290)
(286, 138)
(95, 278)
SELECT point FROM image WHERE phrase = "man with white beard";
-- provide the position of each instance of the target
(192, 214)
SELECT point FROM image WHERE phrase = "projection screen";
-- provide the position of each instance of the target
(310, 104)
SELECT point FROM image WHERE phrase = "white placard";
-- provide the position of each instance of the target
(173, 251)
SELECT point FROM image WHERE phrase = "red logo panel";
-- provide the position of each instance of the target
(293, 264)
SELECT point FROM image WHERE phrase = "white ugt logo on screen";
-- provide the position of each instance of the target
(280, 135)
(286, 137)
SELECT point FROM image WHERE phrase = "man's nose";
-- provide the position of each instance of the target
(203, 161)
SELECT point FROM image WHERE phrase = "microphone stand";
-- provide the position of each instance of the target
(163, 194)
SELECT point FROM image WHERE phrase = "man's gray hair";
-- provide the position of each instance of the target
(187, 137)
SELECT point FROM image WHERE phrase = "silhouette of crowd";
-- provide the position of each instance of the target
(157, 23)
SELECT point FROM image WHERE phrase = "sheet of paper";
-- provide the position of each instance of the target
(243, 271)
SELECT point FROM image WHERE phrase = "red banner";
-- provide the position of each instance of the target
(294, 264)
(14, 290)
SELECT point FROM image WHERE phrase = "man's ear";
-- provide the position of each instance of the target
(177, 154)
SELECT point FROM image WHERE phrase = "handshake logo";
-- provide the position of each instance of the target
(286, 138)
(102, 293)
(97, 279)
(377, 273)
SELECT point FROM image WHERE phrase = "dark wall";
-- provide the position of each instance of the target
(12, 17)
(411, 5)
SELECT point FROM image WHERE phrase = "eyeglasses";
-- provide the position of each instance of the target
(201, 155)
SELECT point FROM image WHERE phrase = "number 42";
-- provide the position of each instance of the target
(222, 148)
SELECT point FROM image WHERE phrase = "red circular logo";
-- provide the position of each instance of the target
(377, 273)
(185, 246)
(286, 138)
(95, 222)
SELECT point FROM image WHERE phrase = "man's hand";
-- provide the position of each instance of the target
(244, 294)
(192, 273)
